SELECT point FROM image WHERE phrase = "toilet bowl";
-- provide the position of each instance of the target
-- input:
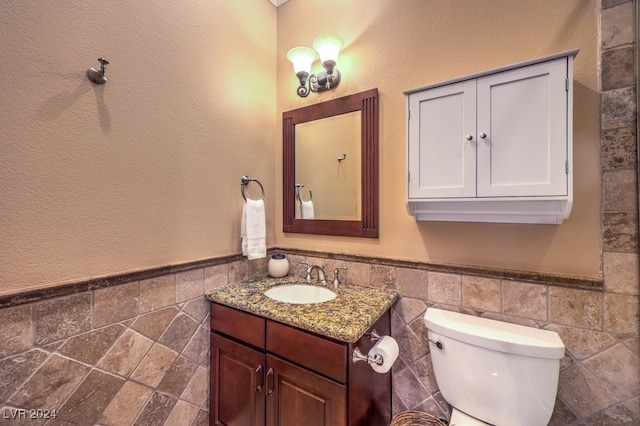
(458, 418)
(492, 372)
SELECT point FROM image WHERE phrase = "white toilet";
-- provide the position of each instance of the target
(492, 372)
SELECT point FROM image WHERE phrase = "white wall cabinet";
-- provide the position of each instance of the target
(494, 146)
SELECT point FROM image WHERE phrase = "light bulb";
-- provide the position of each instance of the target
(328, 46)
(301, 57)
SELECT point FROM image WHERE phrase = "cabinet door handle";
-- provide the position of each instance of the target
(269, 388)
(258, 372)
(483, 135)
(469, 137)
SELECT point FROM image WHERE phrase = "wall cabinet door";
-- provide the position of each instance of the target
(237, 384)
(442, 152)
(296, 396)
(522, 131)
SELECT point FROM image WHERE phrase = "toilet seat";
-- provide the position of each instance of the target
(458, 418)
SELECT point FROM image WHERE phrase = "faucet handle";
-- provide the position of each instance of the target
(308, 265)
(336, 278)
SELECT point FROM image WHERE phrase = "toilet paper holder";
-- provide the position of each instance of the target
(357, 354)
(373, 335)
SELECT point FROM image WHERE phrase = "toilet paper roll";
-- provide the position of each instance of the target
(388, 349)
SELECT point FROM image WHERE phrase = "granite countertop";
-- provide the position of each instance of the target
(345, 318)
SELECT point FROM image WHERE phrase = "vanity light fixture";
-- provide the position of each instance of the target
(328, 47)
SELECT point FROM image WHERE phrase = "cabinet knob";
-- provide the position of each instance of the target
(483, 135)
(469, 137)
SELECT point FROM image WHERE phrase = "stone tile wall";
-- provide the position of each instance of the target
(137, 353)
(132, 354)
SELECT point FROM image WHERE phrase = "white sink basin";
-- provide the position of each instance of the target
(300, 293)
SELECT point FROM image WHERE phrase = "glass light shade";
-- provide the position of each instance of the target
(328, 46)
(301, 57)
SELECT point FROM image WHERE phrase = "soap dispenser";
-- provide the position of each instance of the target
(278, 266)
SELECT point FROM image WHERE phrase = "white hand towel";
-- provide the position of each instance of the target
(253, 230)
(306, 208)
(298, 214)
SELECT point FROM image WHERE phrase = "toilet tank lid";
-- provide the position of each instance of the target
(495, 335)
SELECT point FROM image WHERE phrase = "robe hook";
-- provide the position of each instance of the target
(97, 76)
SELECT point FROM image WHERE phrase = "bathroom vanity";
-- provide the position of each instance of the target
(275, 363)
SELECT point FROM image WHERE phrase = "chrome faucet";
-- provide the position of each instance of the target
(310, 268)
(321, 276)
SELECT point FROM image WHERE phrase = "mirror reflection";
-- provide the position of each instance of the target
(327, 168)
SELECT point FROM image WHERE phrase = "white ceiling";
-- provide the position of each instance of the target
(277, 3)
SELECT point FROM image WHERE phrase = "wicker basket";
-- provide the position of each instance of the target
(416, 418)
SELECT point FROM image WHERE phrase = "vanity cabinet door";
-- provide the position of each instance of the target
(237, 384)
(296, 396)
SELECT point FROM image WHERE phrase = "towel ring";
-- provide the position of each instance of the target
(245, 181)
(298, 186)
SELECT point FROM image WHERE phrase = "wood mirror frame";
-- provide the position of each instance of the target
(367, 103)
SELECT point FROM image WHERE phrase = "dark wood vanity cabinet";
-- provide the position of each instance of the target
(267, 373)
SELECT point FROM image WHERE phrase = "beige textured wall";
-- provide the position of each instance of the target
(145, 170)
(396, 46)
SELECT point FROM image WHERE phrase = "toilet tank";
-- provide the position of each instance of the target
(500, 373)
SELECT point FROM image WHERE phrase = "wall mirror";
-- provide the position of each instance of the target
(330, 167)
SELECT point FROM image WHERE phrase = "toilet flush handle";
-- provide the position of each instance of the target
(438, 344)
